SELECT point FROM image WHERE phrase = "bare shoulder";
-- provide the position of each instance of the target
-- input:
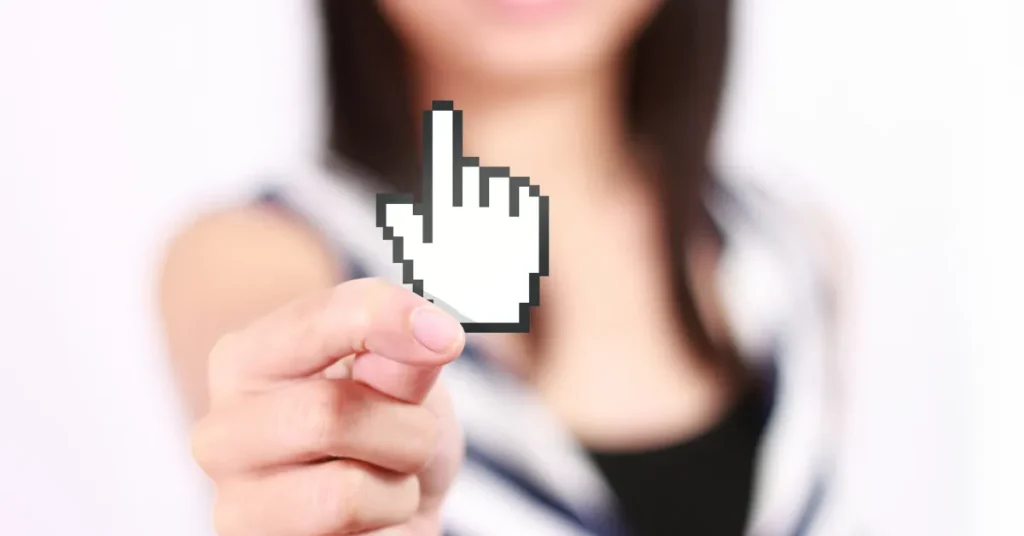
(824, 238)
(824, 242)
(796, 227)
(806, 219)
(226, 268)
(241, 254)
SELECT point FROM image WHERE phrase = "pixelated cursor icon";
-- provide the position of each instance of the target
(476, 245)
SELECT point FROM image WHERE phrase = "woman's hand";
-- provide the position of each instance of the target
(299, 447)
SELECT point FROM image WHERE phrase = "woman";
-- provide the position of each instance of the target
(330, 400)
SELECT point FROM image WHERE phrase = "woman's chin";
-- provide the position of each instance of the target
(518, 40)
(533, 63)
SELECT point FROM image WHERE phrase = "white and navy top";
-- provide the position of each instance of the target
(525, 475)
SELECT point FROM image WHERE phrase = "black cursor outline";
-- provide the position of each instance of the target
(424, 209)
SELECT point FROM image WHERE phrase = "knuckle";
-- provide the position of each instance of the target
(323, 408)
(202, 446)
(222, 355)
(422, 439)
(301, 324)
(310, 306)
(358, 320)
(336, 496)
(355, 306)
(407, 496)
(307, 338)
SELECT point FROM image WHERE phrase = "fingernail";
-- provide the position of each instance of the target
(435, 329)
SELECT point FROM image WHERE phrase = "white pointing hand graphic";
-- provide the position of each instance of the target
(477, 244)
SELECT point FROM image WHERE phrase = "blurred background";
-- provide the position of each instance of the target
(118, 118)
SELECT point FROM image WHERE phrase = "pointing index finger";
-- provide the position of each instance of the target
(442, 161)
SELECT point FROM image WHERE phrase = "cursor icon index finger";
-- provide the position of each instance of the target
(484, 244)
(442, 162)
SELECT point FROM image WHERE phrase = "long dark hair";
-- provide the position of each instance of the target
(676, 79)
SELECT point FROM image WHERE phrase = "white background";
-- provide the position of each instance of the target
(118, 118)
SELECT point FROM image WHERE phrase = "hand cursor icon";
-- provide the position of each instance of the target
(477, 243)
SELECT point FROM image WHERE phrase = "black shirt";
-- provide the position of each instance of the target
(702, 486)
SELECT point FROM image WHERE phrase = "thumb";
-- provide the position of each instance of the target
(397, 216)
(406, 379)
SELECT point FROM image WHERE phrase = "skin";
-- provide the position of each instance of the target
(545, 95)
(368, 446)
(258, 328)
